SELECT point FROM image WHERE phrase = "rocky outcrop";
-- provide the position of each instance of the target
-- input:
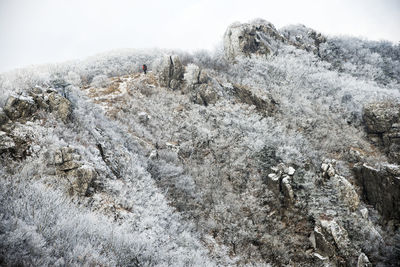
(171, 73)
(345, 189)
(79, 176)
(382, 121)
(264, 104)
(379, 117)
(381, 188)
(262, 38)
(67, 158)
(279, 182)
(304, 38)
(22, 107)
(321, 243)
(259, 37)
(194, 75)
(328, 169)
(347, 192)
(19, 107)
(15, 141)
(81, 180)
(197, 85)
(60, 106)
(331, 240)
(363, 261)
(204, 95)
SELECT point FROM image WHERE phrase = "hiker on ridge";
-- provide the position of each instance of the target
(144, 67)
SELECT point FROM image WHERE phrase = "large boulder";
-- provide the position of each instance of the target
(258, 37)
(279, 182)
(194, 75)
(379, 117)
(382, 121)
(345, 189)
(66, 159)
(204, 94)
(19, 107)
(171, 74)
(391, 142)
(381, 188)
(60, 106)
(199, 87)
(331, 240)
(304, 38)
(79, 176)
(347, 192)
(363, 261)
(81, 179)
(264, 103)
(321, 243)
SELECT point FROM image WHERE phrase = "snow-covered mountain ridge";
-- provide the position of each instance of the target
(280, 149)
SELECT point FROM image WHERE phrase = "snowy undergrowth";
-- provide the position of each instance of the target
(40, 221)
(204, 197)
(313, 99)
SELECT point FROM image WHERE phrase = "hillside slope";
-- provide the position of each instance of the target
(281, 149)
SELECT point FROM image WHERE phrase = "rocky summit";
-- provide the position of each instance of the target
(279, 149)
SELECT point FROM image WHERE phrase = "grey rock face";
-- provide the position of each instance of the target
(363, 261)
(347, 192)
(382, 121)
(273, 182)
(259, 37)
(197, 86)
(381, 188)
(264, 104)
(304, 38)
(339, 234)
(204, 95)
(3, 117)
(60, 105)
(344, 187)
(24, 106)
(19, 107)
(328, 169)
(67, 158)
(81, 179)
(69, 166)
(172, 72)
(287, 190)
(380, 116)
(330, 239)
(320, 243)
(279, 182)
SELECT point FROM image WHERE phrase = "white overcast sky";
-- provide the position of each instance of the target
(42, 31)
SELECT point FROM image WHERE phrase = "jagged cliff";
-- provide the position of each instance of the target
(275, 151)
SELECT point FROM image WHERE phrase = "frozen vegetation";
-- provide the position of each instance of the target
(280, 148)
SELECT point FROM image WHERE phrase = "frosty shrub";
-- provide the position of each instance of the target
(73, 79)
(100, 81)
